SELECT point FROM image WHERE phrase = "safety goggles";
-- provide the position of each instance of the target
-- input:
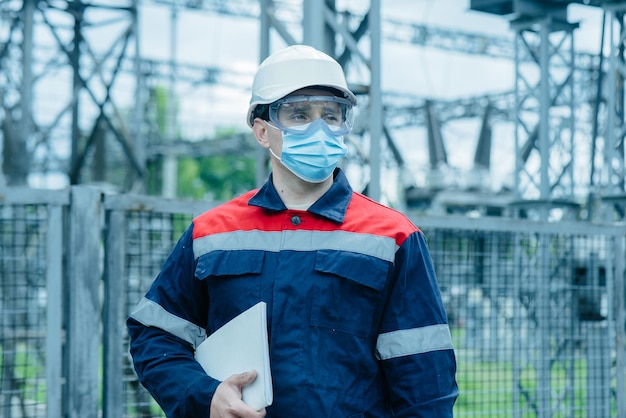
(291, 113)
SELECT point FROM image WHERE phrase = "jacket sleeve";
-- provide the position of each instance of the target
(164, 330)
(414, 344)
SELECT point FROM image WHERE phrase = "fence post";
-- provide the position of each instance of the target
(113, 313)
(54, 310)
(620, 320)
(84, 274)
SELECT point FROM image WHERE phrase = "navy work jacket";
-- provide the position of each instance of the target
(356, 323)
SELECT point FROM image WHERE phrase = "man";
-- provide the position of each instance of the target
(355, 318)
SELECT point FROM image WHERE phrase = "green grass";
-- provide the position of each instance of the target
(486, 387)
(29, 373)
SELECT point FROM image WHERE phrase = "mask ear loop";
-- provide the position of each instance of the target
(268, 123)
(275, 156)
(271, 125)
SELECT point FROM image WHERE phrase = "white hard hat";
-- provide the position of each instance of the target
(294, 68)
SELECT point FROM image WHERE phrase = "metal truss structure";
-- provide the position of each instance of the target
(545, 118)
(612, 183)
(92, 62)
(545, 111)
(548, 111)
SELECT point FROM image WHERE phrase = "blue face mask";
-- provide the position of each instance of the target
(311, 151)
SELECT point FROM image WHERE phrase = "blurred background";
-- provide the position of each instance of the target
(151, 96)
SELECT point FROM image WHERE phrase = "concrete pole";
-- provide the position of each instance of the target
(375, 101)
(170, 162)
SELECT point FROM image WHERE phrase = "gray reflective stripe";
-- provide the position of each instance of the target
(151, 314)
(413, 341)
(367, 244)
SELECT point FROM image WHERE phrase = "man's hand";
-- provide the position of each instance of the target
(227, 401)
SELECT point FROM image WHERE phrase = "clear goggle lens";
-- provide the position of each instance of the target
(291, 113)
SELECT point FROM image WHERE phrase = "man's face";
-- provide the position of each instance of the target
(300, 113)
(315, 121)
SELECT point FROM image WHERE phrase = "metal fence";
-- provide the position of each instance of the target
(536, 309)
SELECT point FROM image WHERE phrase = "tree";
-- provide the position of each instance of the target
(218, 177)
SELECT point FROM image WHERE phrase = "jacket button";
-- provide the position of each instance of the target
(295, 220)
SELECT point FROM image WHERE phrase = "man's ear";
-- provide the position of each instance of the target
(259, 128)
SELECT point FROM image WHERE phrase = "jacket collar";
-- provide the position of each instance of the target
(332, 205)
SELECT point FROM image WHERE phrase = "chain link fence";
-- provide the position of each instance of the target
(536, 309)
